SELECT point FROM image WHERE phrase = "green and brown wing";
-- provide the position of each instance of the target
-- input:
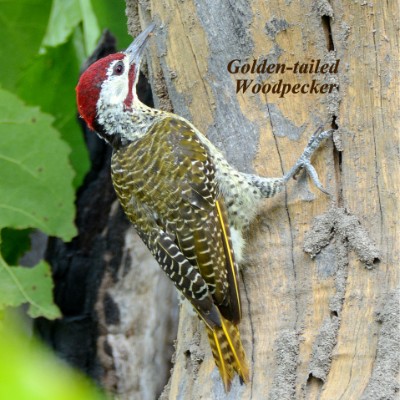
(170, 177)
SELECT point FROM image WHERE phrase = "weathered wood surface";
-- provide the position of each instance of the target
(322, 328)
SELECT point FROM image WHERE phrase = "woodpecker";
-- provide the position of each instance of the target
(188, 205)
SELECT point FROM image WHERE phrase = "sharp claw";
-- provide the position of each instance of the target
(323, 190)
(312, 173)
(304, 161)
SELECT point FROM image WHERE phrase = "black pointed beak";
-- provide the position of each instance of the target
(136, 49)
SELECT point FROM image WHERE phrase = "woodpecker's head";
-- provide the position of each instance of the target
(108, 86)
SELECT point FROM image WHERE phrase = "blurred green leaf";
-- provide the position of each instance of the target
(31, 372)
(111, 15)
(22, 26)
(91, 30)
(65, 16)
(20, 285)
(36, 178)
(14, 244)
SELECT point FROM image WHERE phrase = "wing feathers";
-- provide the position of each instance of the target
(182, 199)
(233, 311)
(186, 278)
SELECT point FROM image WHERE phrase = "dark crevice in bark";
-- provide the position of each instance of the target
(312, 380)
(295, 280)
(337, 155)
(326, 25)
(337, 159)
(334, 125)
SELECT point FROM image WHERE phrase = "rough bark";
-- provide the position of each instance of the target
(317, 325)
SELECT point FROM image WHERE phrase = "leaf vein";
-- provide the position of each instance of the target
(37, 220)
(20, 287)
(16, 162)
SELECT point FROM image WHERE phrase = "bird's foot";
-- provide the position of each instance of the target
(304, 162)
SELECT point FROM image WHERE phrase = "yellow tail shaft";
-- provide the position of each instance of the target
(228, 352)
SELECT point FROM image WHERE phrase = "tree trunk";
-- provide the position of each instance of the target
(320, 325)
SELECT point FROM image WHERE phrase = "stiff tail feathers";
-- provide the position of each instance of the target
(228, 352)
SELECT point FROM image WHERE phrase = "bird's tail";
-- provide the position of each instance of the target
(228, 352)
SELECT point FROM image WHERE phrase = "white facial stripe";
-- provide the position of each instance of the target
(110, 105)
(114, 89)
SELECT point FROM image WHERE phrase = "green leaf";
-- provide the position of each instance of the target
(36, 178)
(50, 82)
(111, 15)
(29, 371)
(65, 16)
(91, 30)
(22, 26)
(14, 244)
(20, 285)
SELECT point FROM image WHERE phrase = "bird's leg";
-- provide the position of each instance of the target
(269, 187)
(304, 162)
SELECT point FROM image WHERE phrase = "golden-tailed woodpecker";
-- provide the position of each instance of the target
(188, 205)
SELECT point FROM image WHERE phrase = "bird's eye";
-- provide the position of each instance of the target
(118, 68)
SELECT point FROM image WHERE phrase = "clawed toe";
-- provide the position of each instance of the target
(304, 162)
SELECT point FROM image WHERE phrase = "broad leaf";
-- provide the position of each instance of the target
(19, 285)
(50, 82)
(22, 26)
(36, 178)
(91, 30)
(65, 16)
